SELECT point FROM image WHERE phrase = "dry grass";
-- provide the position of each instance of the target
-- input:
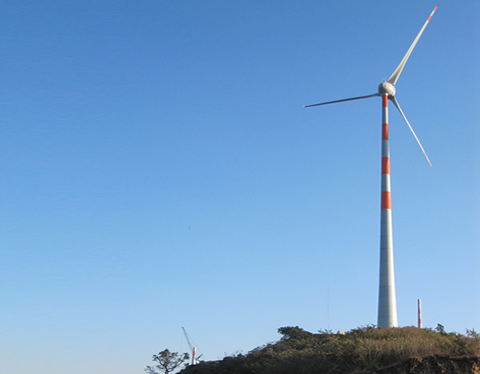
(365, 349)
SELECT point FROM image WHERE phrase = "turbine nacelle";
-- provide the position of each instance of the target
(386, 88)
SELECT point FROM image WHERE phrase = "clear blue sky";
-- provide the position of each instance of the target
(158, 170)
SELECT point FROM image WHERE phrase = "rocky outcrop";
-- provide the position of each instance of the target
(434, 365)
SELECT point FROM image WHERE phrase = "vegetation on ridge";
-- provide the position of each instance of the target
(365, 349)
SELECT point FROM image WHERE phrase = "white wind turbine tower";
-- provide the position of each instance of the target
(387, 302)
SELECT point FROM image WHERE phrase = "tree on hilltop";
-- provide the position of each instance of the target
(166, 362)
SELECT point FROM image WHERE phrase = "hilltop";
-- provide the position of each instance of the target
(362, 350)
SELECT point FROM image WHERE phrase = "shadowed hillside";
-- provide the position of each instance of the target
(362, 350)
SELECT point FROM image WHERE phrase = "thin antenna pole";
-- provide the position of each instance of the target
(419, 313)
(328, 308)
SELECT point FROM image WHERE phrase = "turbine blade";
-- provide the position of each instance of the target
(396, 74)
(339, 101)
(411, 129)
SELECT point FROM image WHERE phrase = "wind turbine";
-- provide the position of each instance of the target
(387, 301)
(193, 349)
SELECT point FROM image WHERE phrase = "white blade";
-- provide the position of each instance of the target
(339, 101)
(411, 129)
(396, 74)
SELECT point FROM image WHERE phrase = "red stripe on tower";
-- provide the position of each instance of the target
(385, 125)
(385, 101)
(386, 165)
(386, 200)
(385, 131)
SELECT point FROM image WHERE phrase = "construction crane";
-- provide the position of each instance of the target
(193, 349)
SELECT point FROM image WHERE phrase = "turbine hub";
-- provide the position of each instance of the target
(386, 88)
